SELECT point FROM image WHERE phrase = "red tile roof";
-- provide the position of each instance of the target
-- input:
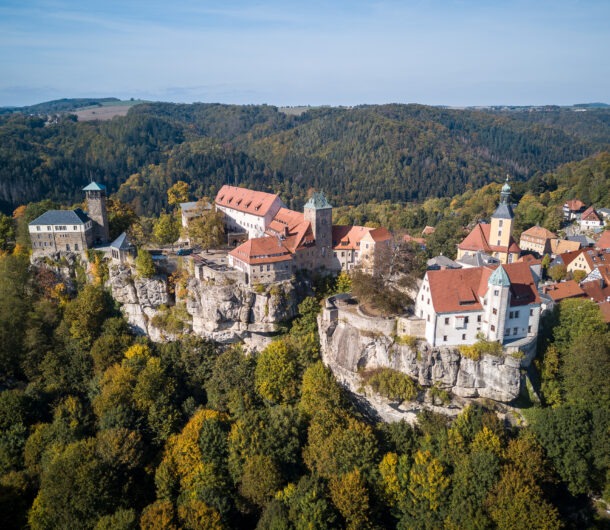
(559, 291)
(598, 290)
(478, 239)
(604, 240)
(410, 239)
(561, 246)
(261, 250)
(574, 205)
(455, 290)
(569, 257)
(596, 258)
(380, 234)
(245, 200)
(348, 237)
(590, 215)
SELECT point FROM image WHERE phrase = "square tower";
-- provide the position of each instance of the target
(96, 206)
(319, 213)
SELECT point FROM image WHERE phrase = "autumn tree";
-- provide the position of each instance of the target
(178, 193)
(166, 229)
(207, 231)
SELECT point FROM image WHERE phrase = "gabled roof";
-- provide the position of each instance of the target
(122, 242)
(380, 234)
(478, 239)
(583, 240)
(538, 232)
(478, 259)
(604, 240)
(596, 258)
(562, 290)
(261, 250)
(62, 217)
(185, 206)
(574, 205)
(597, 290)
(244, 200)
(348, 237)
(455, 290)
(94, 186)
(590, 215)
(561, 246)
(410, 239)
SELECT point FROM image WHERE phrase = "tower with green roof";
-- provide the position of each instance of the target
(497, 303)
(97, 212)
(319, 213)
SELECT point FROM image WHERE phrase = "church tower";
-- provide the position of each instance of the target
(502, 220)
(96, 210)
(319, 213)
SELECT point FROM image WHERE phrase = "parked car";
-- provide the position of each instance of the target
(184, 251)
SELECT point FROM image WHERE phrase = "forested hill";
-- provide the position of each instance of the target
(389, 152)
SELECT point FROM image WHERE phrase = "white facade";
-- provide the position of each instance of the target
(490, 315)
(254, 225)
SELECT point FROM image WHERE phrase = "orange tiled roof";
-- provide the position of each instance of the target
(348, 237)
(604, 241)
(530, 260)
(261, 250)
(561, 246)
(410, 239)
(596, 258)
(574, 205)
(380, 234)
(559, 291)
(245, 200)
(538, 232)
(589, 215)
(454, 290)
(478, 239)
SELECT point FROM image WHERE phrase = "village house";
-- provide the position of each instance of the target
(590, 220)
(572, 209)
(499, 303)
(537, 239)
(496, 237)
(587, 260)
(122, 250)
(72, 230)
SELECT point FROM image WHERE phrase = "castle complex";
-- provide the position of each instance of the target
(280, 241)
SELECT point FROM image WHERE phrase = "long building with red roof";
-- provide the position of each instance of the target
(499, 302)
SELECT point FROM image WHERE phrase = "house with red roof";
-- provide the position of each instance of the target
(604, 241)
(590, 219)
(537, 239)
(572, 209)
(495, 238)
(498, 302)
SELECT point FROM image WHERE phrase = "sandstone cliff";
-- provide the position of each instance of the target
(349, 345)
(234, 311)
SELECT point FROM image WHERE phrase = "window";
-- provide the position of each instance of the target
(75, 246)
(493, 328)
(494, 311)
(465, 321)
(38, 228)
(75, 227)
(529, 329)
(507, 332)
(463, 336)
(531, 312)
(499, 242)
(500, 223)
(444, 338)
(510, 315)
(516, 314)
(446, 321)
(515, 331)
(428, 319)
(496, 292)
(479, 318)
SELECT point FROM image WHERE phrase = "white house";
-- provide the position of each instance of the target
(501, 303)
(590, 219)
(247, 210)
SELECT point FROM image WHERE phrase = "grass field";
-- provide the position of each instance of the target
(105, 111)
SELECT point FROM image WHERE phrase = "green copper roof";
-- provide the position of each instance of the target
(94, 186)
(499, 277)
(318, 202)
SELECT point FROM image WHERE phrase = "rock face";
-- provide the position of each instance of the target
(140, 299)
(232, 312)
(347, 348)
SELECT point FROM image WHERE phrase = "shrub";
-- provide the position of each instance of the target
(407, 340)
(391, 384)
(481, 347)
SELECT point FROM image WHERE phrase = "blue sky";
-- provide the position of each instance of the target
(452, 52)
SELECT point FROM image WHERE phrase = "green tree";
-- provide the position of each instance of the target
(275, 377)
(145, 267)
(208, 230)
(260, 479)
(178, 193)
(349, 494)
(166, 229)
(557, 272)
(7, 232)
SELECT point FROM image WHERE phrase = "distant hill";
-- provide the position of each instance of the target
(367, 153)
(60, 105)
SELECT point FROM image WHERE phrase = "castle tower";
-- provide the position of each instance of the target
(319, 213)
(96, 210)
(502, 220)
(498, 300)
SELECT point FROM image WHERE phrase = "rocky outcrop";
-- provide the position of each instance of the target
(140, 299)
(347, 348)
(233, 312)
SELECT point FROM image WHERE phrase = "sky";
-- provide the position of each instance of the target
(282, 52)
